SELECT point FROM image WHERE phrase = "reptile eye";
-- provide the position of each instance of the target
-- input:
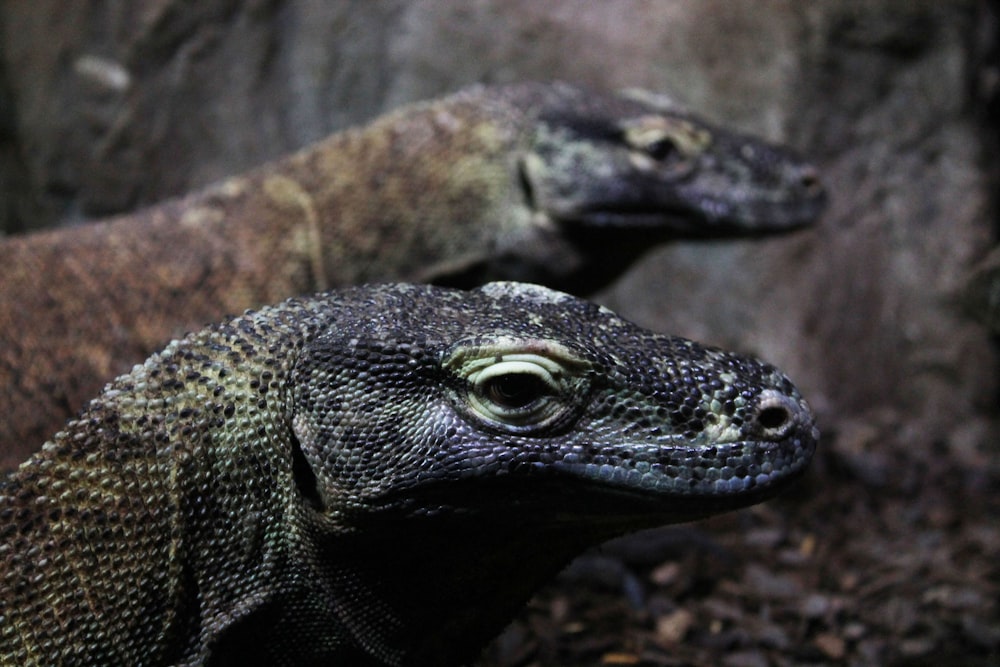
(666, 139)
(519, 393)
(514, 390)
(518, 386)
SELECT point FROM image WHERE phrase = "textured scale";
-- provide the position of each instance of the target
(376, 476)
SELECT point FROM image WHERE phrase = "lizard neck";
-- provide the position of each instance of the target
(347, 180)
(459, 582)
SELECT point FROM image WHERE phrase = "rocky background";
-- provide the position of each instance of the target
(887, 554)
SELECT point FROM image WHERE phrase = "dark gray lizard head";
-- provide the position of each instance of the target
(638, 160)
(426, 401)
(454, 449)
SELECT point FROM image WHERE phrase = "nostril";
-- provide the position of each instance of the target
(773, 417)
(810, 181)
(777, 414)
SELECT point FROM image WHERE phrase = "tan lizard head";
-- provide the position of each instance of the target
(589, 181)
(635, 160)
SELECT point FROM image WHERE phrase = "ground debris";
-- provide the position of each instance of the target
(895, 566)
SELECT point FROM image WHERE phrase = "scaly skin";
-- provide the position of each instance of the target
(532, 182)
(377, 476)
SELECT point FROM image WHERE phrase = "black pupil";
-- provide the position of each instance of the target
(515, 390)
(660, 149)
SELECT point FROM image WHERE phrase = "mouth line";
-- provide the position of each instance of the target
(569, 498)
(588, 488)
(635, 217)
(687, 220)
(723, 469)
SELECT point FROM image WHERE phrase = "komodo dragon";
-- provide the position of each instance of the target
(541, 182)
(376, 476)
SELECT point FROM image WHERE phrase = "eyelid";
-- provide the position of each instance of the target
(548, 373)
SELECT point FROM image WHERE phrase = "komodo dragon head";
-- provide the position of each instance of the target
(377, 476)
(602, 178)
(455, 449)
(637, 159)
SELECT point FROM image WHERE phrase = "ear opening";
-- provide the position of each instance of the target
(304, 477)
(526, 184)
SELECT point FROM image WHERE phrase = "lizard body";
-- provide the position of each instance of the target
(531, 181)
(375, 476)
